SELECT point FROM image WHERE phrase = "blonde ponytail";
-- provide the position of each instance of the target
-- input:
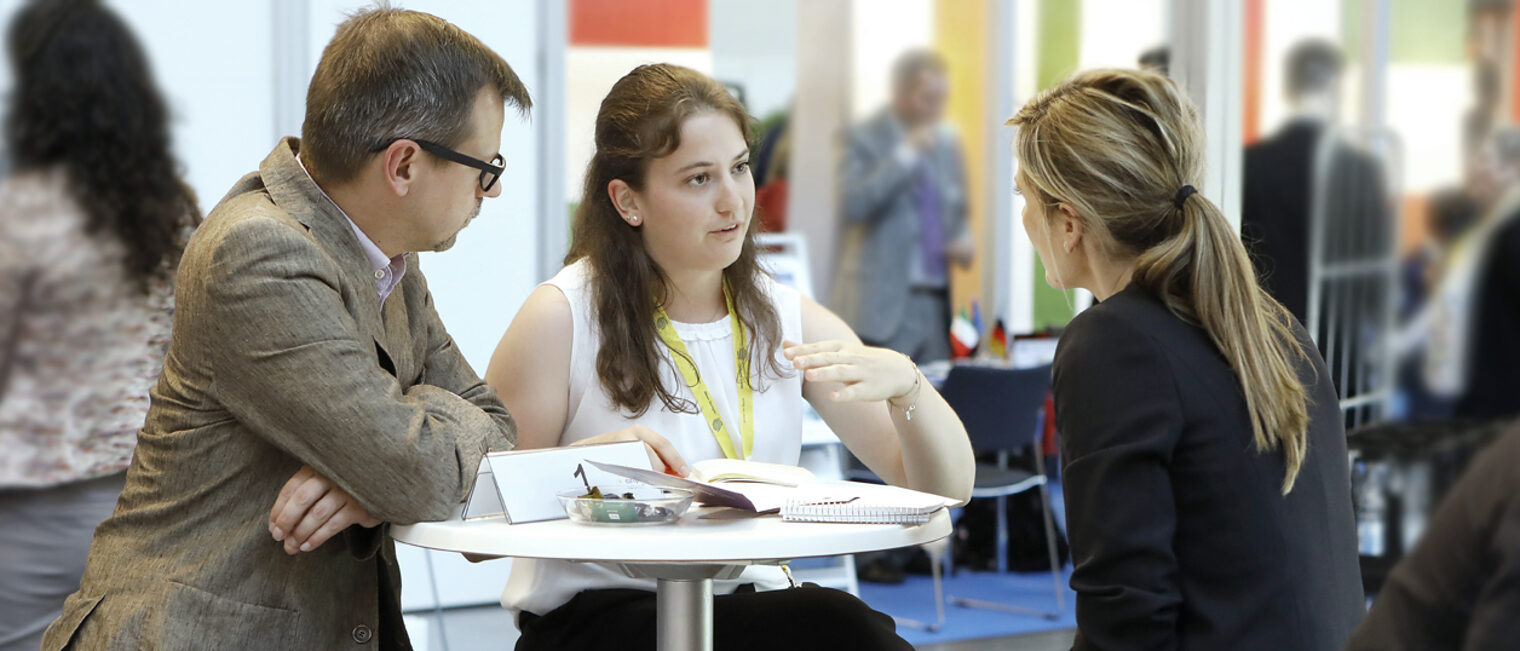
(1118, 145)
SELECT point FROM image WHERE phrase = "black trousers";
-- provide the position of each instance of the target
(806, 618)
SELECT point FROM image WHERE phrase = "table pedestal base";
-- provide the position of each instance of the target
(685, 611)
(684, 603)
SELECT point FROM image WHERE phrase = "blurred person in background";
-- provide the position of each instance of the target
(1282, 174)
(1489, 391)
(904, 206)
(1203, 448)
(1451, 213)
(1460, 586)
(1469, 326)
(92, 224)
(1479, 119)
(903, 188)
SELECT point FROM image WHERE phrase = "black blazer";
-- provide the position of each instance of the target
(1180, 534)
(1274, 211)
(1493, 358)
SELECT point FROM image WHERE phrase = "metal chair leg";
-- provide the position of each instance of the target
(1002, 607)
(1050, 533)
(936, 551)
(1002, 541)
(1001, 548)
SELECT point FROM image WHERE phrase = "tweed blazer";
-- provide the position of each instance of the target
(282, 355)
(882, 223)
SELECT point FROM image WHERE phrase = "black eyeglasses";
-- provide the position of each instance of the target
(489, 172)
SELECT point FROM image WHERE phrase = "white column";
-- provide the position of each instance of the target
(822, 111)
(1207, 61)
(549, 130)
(291, 62)
(1373, 56)
(1008, 293)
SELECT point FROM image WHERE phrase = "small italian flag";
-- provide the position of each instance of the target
(963, 336)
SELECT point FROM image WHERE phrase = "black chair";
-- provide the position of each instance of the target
(1003, 410)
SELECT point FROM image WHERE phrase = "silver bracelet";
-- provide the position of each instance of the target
(917, 378)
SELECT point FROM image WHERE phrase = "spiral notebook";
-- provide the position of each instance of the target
(854, 502)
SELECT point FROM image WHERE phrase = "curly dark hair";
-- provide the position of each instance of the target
(85, 101)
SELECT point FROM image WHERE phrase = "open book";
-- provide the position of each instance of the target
(794, 492)
(718, 471)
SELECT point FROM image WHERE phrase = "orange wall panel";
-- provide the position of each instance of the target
(638, 23)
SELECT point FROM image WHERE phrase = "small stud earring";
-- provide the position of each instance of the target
(633, 219)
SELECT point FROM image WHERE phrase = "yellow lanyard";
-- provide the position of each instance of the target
(699, 389)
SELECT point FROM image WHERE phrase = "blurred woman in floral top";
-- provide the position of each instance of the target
(92, 222)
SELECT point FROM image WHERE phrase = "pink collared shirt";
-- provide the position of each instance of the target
(388, 271)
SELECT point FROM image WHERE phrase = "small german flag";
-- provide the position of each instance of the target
(997, 341)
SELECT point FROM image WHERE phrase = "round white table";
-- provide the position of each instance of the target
(684, 558)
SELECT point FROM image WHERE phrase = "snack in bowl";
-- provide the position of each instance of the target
(636, 506)
(641, 505)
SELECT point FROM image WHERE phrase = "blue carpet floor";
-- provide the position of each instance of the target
(914, 599)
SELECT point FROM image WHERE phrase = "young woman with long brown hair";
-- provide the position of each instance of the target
(1205, 472)
(663, 274)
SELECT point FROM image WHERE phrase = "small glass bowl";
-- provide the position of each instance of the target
(649, 506)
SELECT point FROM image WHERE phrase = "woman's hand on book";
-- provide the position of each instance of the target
(662, 453)
(868, 373)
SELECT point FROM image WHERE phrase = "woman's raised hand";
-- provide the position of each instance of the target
(868, 373)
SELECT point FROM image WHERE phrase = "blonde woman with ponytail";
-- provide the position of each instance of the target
(1204, 457)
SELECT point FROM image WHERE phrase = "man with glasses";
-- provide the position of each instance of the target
(310, 385)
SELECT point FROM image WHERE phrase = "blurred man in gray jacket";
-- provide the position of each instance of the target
(904, 204)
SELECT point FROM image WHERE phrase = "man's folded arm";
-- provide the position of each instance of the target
(292, 366)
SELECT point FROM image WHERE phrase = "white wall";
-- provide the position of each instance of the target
(755, 45)
(880, 30)
(1115, 32)
(1425, 106)
(214, 81)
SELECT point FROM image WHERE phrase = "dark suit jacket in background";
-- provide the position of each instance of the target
(282, 356)
(1492, 388)
(1181, 537)
(882, 223)
(1460, 586)
(1276, 207)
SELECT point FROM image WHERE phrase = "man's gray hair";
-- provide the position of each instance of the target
(909, 65)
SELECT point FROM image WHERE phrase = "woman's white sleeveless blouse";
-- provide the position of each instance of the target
(539, 586)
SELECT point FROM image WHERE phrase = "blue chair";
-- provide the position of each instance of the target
(1003, 410)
